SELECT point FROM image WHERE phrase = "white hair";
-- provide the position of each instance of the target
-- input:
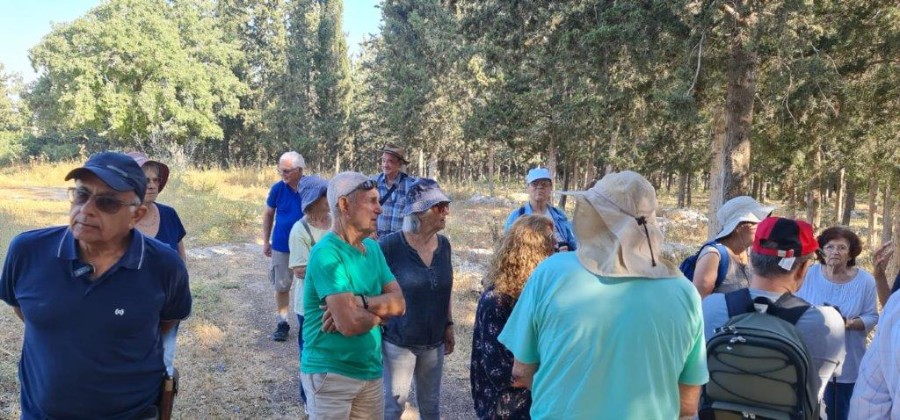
(412, 222)
(295, 158)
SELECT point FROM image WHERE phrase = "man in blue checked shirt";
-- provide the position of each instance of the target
(392, 184)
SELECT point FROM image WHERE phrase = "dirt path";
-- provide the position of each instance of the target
(233, 304)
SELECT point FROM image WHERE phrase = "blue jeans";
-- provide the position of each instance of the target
(300, 352)
(841, 401)
(168, 340)
(401, 366)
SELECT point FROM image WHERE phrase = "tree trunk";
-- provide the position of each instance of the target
(611, 154)
(433, 170)
(716, 174)
(551, 159)
(682, 187)
(566, 178)
(689, 189)
(764, 192)
(839, 196)
(738, 119)
(422, 172)
(491, 168)
(849, 204)
(873, 208)
(337, 163)
(887, 222)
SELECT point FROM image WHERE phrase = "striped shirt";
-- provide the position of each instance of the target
(856, 298)
(878, 384)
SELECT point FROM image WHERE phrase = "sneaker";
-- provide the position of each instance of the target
(281, 332)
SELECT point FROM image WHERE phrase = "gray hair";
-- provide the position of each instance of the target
(295, 158)
(412, 222)
(767, 266)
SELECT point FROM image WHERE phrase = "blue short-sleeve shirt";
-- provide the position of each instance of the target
(288, 210)
(171, 231)
(91, 349)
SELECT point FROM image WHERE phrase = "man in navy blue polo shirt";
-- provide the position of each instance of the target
(95, 297)
(283, 207)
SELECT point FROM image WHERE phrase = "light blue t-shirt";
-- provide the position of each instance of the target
(606, 347)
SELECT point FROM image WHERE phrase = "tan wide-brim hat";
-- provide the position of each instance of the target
(615, 223)
(398, 152)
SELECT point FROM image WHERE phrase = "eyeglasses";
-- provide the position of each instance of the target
(835, 247)
(285, 171)
(541, 183)
(104, 203)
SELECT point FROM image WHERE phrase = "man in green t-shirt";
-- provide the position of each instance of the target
(348, 291)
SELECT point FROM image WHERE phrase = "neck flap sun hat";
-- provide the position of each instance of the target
(142, 160)
(738, 210)
(615, 222)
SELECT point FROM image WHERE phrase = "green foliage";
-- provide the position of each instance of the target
(132, 68)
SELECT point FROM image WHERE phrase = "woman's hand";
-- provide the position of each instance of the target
(449, 340)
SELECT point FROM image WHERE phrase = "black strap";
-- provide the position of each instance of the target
(739, 302)
(311, 238)
(521, 211)
(390, 190)
(788, 307)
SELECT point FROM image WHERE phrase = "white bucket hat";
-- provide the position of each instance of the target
(738, 210)
(615, 222)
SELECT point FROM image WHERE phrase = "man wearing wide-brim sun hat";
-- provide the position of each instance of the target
(393, 185)
(723, 263)
(613, 315)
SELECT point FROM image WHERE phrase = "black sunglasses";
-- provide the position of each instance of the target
(365, 186)
(104, 203)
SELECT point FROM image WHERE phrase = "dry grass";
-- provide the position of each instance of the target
(230, 368)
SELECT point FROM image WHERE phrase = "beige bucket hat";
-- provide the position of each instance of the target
(615, 222)
(738, 210)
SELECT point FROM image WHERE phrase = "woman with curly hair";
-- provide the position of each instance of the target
(528, 242)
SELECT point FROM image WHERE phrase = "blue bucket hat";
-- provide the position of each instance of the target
(536, 174)
(118, 170)
(312, 188)
(423, 195)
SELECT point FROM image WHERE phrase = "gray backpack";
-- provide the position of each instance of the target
(759, 368)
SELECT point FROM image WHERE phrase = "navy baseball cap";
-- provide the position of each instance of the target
(117, 170)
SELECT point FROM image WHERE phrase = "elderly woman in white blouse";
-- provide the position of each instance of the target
(838, 282)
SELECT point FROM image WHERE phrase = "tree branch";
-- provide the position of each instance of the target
(699, 57)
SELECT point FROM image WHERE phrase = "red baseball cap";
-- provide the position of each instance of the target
(786, 238)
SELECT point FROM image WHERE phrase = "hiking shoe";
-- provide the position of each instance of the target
(281, 332)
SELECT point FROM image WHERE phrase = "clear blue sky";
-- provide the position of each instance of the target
(24, 22)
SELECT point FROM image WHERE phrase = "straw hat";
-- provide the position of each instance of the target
(738, 210)
(398, 152)
(615, 222)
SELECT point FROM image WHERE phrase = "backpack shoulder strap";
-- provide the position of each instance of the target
(739, 302)
(724, 262)
(789, 308)
(311, 237)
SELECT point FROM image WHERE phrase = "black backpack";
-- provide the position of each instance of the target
(759, 368)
